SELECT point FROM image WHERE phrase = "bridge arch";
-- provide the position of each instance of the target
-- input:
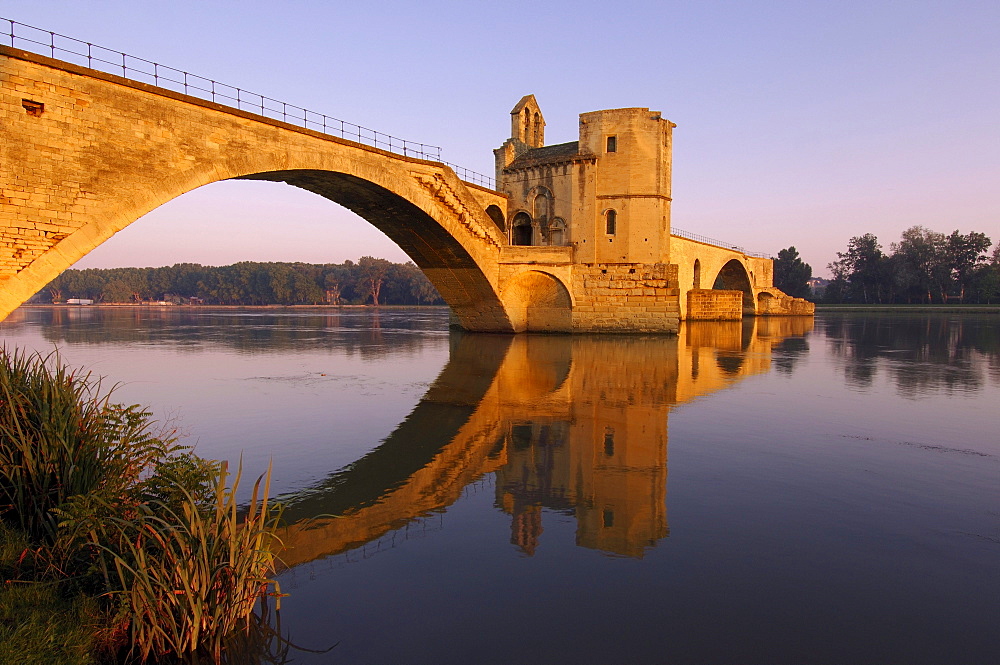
(127, 148)
(734, 276)
(538, 301)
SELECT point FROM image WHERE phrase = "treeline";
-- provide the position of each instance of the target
(923, 267)
(369, 281)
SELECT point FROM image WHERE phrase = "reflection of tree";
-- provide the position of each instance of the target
(920, 353)
(359, 331)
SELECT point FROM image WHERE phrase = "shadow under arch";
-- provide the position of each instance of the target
(448, 264)
(733, 276)
(537, 301)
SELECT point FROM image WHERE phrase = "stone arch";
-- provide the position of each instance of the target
(496, 214)
(734, 277)
(696, 283)
(110, 180)
(521, 232)
(538, 302)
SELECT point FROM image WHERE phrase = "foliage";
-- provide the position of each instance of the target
(108, 507)
(791, 275)
(189, 576)
(370, 280)
(372, 273)
(38, 625)
(863, 267)
(925, 266)
(60, 438)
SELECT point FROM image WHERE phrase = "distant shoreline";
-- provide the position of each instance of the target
(953, 309)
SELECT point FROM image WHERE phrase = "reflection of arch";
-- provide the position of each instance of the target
(734, 277)
(521, 229)
(730, 363)
(502, 404)
(697, 274)
(496, 214)
(538, 301)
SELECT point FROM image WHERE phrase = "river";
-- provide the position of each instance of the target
(779, 491)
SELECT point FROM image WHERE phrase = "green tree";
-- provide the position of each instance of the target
(791, 275)
(964, 254)
(372, 272)
(921, 263)
(864, 268)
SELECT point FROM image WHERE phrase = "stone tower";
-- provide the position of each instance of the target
(607, 194)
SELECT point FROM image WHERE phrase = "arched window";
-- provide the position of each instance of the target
(542, 205)
(611, 222)
(527, 125)
(536, 140)
(557, 232)
(521, 229)
(697, 274)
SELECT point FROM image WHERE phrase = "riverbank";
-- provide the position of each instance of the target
(912, 309)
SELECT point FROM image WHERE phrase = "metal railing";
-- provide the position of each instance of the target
(681, 233)
(92, 56)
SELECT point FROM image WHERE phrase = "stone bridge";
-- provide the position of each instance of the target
(86, 153)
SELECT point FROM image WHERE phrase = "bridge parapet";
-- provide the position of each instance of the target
(110, 61)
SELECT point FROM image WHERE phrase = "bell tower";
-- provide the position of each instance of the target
(527, 131)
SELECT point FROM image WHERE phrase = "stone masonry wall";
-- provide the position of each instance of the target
(714, 305)
(626, 297)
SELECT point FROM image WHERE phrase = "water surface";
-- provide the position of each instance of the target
(778, 491)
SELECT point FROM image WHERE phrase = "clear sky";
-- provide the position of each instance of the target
(799, 123)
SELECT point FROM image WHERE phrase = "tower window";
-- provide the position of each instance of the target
(612, 144)
(611, 222)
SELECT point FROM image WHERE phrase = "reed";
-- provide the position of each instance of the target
(110, 508)
(189, 577)
(60, 438)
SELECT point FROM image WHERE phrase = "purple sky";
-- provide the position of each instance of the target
(799, 123)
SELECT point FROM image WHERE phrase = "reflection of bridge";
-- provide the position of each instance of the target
(577, 239)
(577, 424)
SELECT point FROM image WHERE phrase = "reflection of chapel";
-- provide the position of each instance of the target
(607, 194)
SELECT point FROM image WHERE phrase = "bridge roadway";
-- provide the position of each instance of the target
(575, 423)
(86, 153)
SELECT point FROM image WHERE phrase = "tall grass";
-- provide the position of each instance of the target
(189, 577)
(110, 505)
(61, 438)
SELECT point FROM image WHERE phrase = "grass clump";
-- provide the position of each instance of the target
(136, 546)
